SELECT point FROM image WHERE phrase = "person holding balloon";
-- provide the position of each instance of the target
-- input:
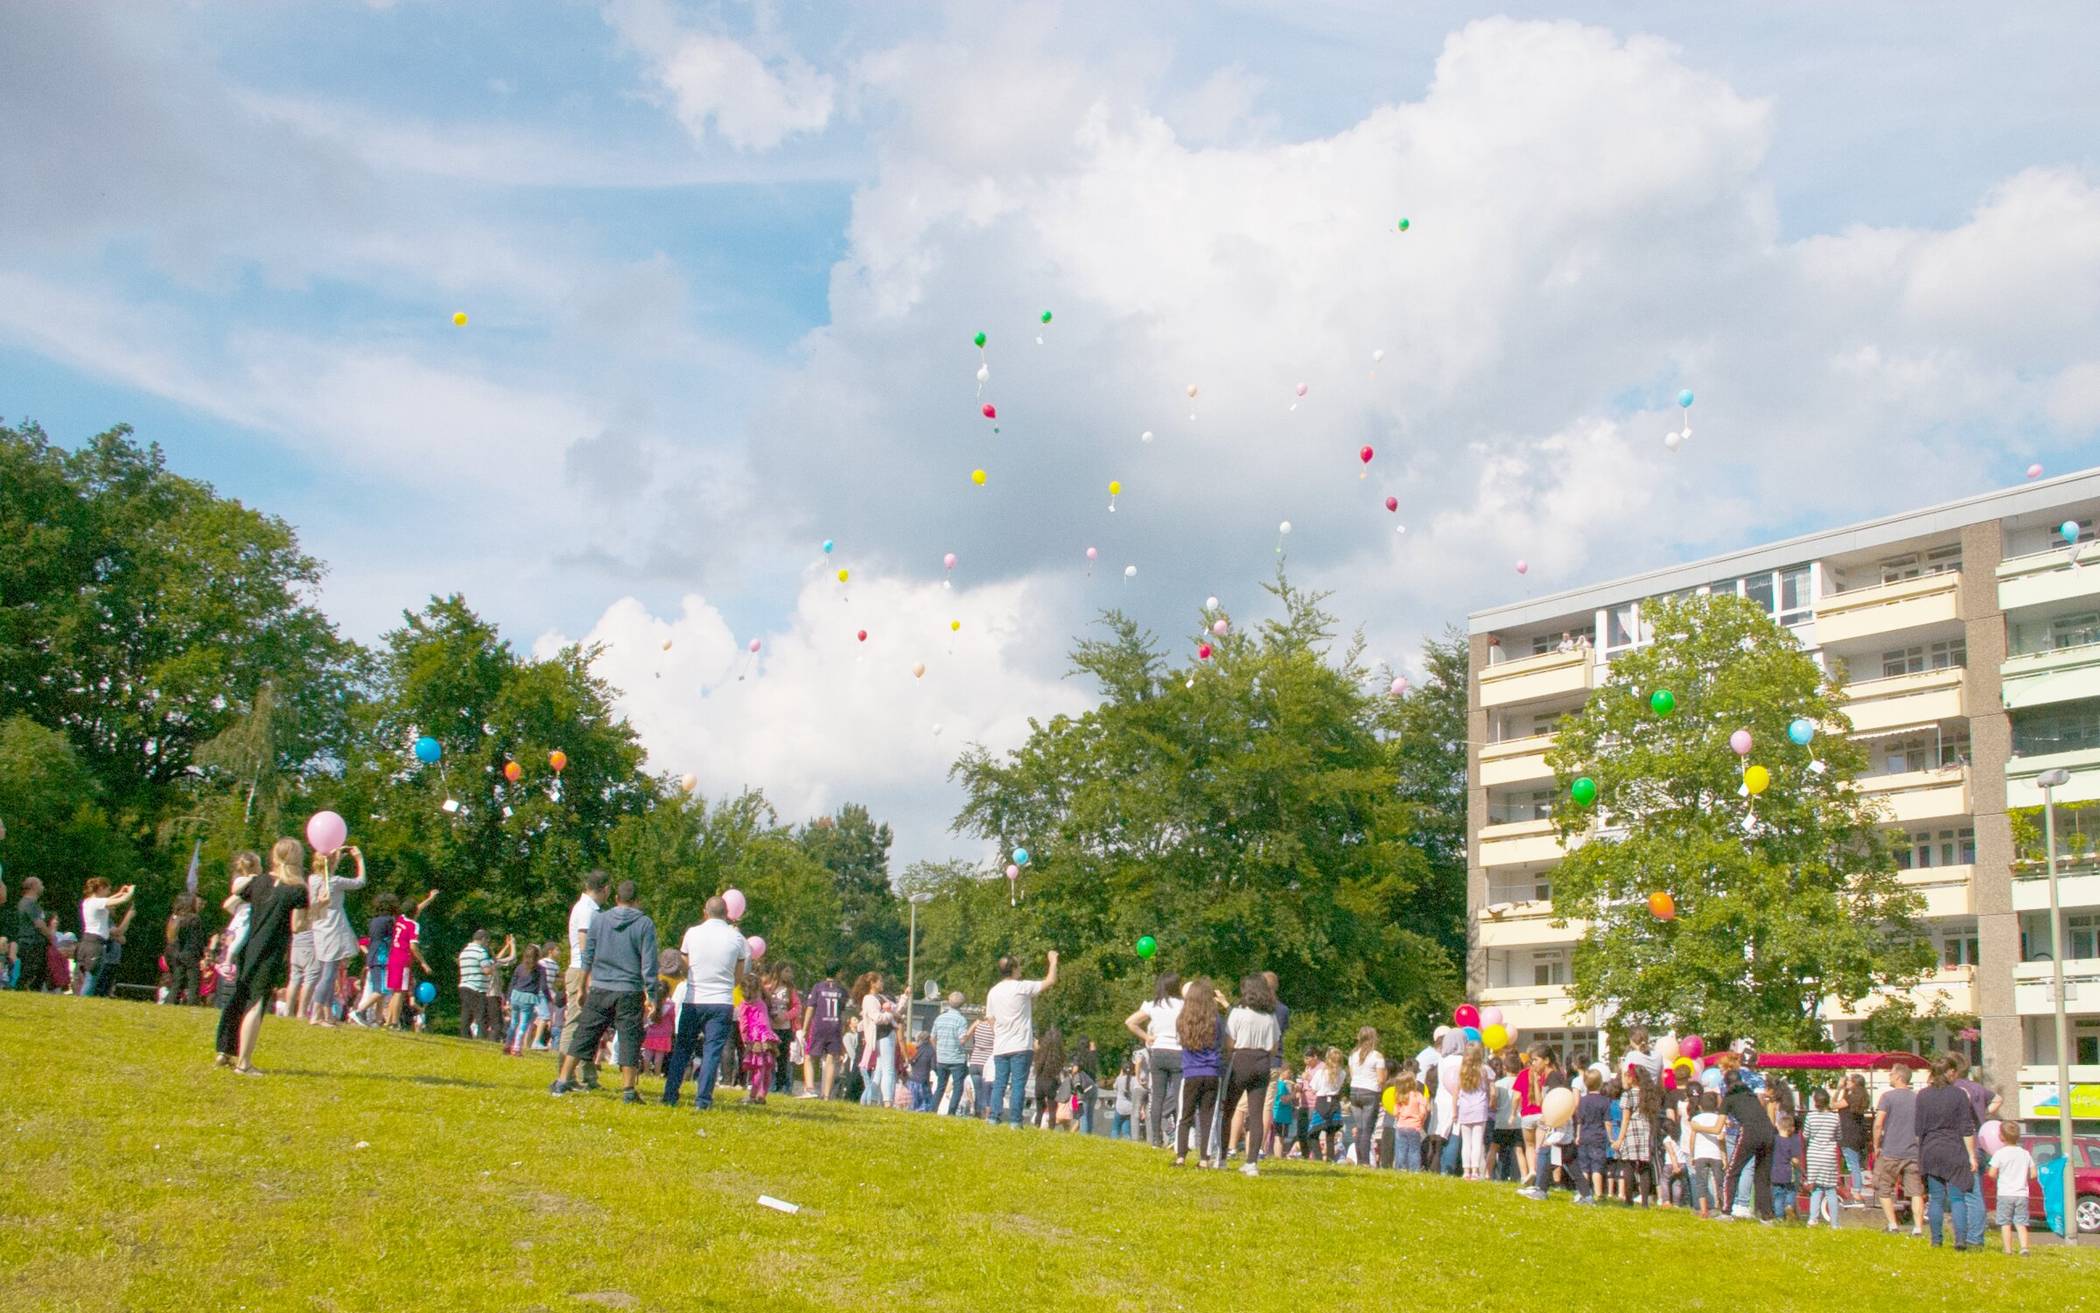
(260, 968)
(335, 940)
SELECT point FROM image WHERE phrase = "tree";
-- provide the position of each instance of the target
(856, 850)
(1427, 728)
(1244, 811)
(57, 829)
(1783, 899)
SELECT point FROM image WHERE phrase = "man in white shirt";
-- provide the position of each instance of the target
(1010, 1007)
(597, 888)
(715, 954)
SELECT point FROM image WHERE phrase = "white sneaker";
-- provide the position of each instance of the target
(1249, 1169)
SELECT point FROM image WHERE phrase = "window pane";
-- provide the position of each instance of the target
(1758, 588)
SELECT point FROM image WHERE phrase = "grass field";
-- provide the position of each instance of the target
(369, 1171)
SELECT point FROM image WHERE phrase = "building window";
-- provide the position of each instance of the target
(1529, 805)
(1549, 968)
(2081, 936)
(1947, 654)
(1937, 560)
(2079, 630)
(1945, 748)
(2087, 1046)
(1958, 945)
(1919, 850)
(1622, 625)
(2063, 727)
(1795, 605)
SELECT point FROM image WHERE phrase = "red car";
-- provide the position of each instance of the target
(2040, 1139)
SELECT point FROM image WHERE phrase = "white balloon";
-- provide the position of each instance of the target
(1146, 436)
(983, 372)
(1210, 603)
(1400, 528)
(1673, 440)
(936, 731)
(1284, 528)
(1130, 572)
(1378, 355)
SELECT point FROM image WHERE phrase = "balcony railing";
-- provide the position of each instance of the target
(1888, 608)
(1537, 678)
(1922, 697)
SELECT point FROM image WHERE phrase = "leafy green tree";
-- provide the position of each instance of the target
(1783, 899)
(1242, 810)
(1427, 728)
(57, 829)
(855, 848)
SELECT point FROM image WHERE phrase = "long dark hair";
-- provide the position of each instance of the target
(1198, 1024)
(1256, 994)
(1049, 1058)
(1166, 987)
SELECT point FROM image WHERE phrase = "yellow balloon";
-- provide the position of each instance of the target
(977, 477)
(842, 576)
(1757, 779)
(1115, 487)
(954, 625)
(1495, 1037)
(459, 319)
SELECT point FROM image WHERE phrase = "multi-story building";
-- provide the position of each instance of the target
(1968, 636)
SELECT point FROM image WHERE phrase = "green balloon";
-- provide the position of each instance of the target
(1046, 316)
(1583, 791)
(979, 339)
(1663, 703)
(1403, 225)
(1147, 946)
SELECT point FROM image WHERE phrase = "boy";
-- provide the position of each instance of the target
(920, 1081)
(1708, 1130)
(1786, 1156)
(2013, 1166)
(1592, 1117)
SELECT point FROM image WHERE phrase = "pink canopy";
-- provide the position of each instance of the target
(1840, 1061)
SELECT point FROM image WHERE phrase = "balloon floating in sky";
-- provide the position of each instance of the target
(1403, 223)
(1020, 857)
(688, 783)
(512, 771)
(1115, 490)
(1757, 779)
(1210, 603)
(754, 645)
(1392, 503)
(1378, 355)
(1365, 455)
(1130, 572)
(2068, 531)
(1684, 399)
(918, 670)
(1801, 730)
(667, 645)
(860, 635)
(979, 340)
(1663, 702)
(1192, 391)
(828, 546)
(1146, 436)
(954, 625)
(1284, 528)
(1583, 791)
(1046, 316)
(2034, 471)
(977, 477)
(843, 575)
(1093, 554)
(984, 373)
(1740, 741)
(990, 411)
(1523, 567)
(1203, 652)
(1673, 439)
(1147, 946)
(559, 760)
(428, 750)
(1301, 389)
(459, 319)
(948, 561)
(1661, 906)
(1399, 685)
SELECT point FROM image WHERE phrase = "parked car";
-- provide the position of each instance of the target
(2040, 1139)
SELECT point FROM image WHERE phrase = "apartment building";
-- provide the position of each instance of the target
(1968, 636)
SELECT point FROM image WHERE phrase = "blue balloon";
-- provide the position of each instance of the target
(1684, 398)
(1472, 1034)
(827, 547)
(2069, 530)
(1711, 1078)
(1020, 857)
(1802, 730)
(428, 750)
(426, 993)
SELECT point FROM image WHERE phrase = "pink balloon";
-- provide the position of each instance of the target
(757, 945)
(1523, 567)
(1490, 1017)
(1399, 685)
(326, 832)
(1220, 628)
(1392, 503)
(1740, 741)
(1203, 652)
(949, 560)
(1301, 389)
(754, 645)
(1012, 872)
(990, 411)
(1990, 1137)
(734, 898)
(2034, 471)
(1691, 1046)
(1092, 555)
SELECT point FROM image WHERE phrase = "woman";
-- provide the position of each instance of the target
(186, 950)
(977, 1042)
(1855, 1112)
(95, 932)
(1946, 1153)
(1201, 1036)
(878, 1041)
(1049, 1071)
(1156, 1025)
(260, 969)
(784, 1012)
(334, 940)
(1366, 1078)
(1252, 1028)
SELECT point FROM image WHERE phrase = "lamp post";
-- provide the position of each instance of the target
(911, 960)
(2050, 781)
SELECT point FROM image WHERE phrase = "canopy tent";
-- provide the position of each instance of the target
(1839, 1061)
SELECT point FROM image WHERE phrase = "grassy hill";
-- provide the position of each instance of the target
(370, 1172)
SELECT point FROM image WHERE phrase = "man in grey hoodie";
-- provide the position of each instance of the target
(619, 989)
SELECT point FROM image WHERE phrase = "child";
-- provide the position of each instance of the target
(2013, 1166)
(920, 1081)
(528, 989)
(1201, 1062)
(1821, 1153)
(1786, 1155)
(1592, 1129)
(761, 1044)
(1708, 1129)
(1325, 1123)
(1474, 1111)
(1126, 1101)
(1410, 1111)
(1640, 1108)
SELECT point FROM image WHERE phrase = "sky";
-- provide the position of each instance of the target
(723, 264)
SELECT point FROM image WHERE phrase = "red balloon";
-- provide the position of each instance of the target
(512, 771)
(1203, 652)
(1669, 1080)
(989, 411)
(1465, 1014)
(1392, 503)
(863, 635)
(1365, 455)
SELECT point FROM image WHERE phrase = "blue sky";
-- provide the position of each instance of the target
(722, 263)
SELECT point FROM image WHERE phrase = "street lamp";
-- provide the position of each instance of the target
(911, 960)
(2050, 781)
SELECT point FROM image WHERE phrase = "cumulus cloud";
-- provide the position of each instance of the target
(715, 81)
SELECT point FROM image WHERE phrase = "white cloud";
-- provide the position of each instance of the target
(712, 80)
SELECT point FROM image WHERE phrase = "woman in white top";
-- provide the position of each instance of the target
(335, 940)
(1251, 1027)
(1366, 1077)
(878, 1042)
(95, 933)
(1154, 1025)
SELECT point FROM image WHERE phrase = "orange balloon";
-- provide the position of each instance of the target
(512, 771)
(1661, 906)
(559, 760)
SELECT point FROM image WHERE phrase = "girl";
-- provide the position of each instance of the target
(260, 967)
(1282, 1110)
(1153, 1025)
(878, 1041)
(404, 955)
(1410, 1111)
(1252, 1029)
(379, 940)
(671, 969)
(186, 950)
(95, 932)
(1325, 1124)
(1366, 1075)
(1640, 1107)
(1821, 1149)
(1198, 1030)
(1709, 1131)
(1855, 1116)
(754, 1021)
(335, 942)
(1049, 1072)
(1473, 1113)
(528, 990)
(1126, 1101)
(783, 1011)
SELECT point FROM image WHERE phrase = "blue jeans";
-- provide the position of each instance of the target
(949, 1088)
(705, 1024)
(524, 1006)
(1009, 1085)
(1856, 1167)
(921, 1095)
(1977, 1220)
(1121, 1130)
(1407, 1149)
(880, 1089)
(1452, 1148)
(1823, 1204)
(1944, 1200)
(980, 1092)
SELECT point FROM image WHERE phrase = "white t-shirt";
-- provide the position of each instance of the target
(1709, 1134)
(712, 949)
(1425, 1062)
(1253, 1030)
(94, 917)
(1011, 1006)
(2015, 1168)
(1164, 1020)
(1446, 1109)
(580, 927)
(1326, 1081)
(1365, 1072)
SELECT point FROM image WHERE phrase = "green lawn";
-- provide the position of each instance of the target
(141, 1177)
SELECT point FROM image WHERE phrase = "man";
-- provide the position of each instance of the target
(715, 956)
(618, 989)
(949, 1054)
(1896, 1151)
(580, 917)
(36, 932)
(823, 1033)
(1010, 1007)
(1756, 1141)
(1986, 1105)
(475, 964)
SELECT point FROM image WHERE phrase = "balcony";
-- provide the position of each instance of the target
(1516, 761)
(1953, 986)
(1948, 890)
(2083, 763)
(2038, 1088)
(1920, 795)
(1876, 706)
(1929, 599)
(1518, 843)
(2040, 578)
(2077, 883)
(1537, 1007)
(2032, 983)
(1537, 678)
(1523, 925)
(2063, 674)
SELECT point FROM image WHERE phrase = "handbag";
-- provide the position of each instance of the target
(796, 1053)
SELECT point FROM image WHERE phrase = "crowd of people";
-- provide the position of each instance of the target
(1208, 1074)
